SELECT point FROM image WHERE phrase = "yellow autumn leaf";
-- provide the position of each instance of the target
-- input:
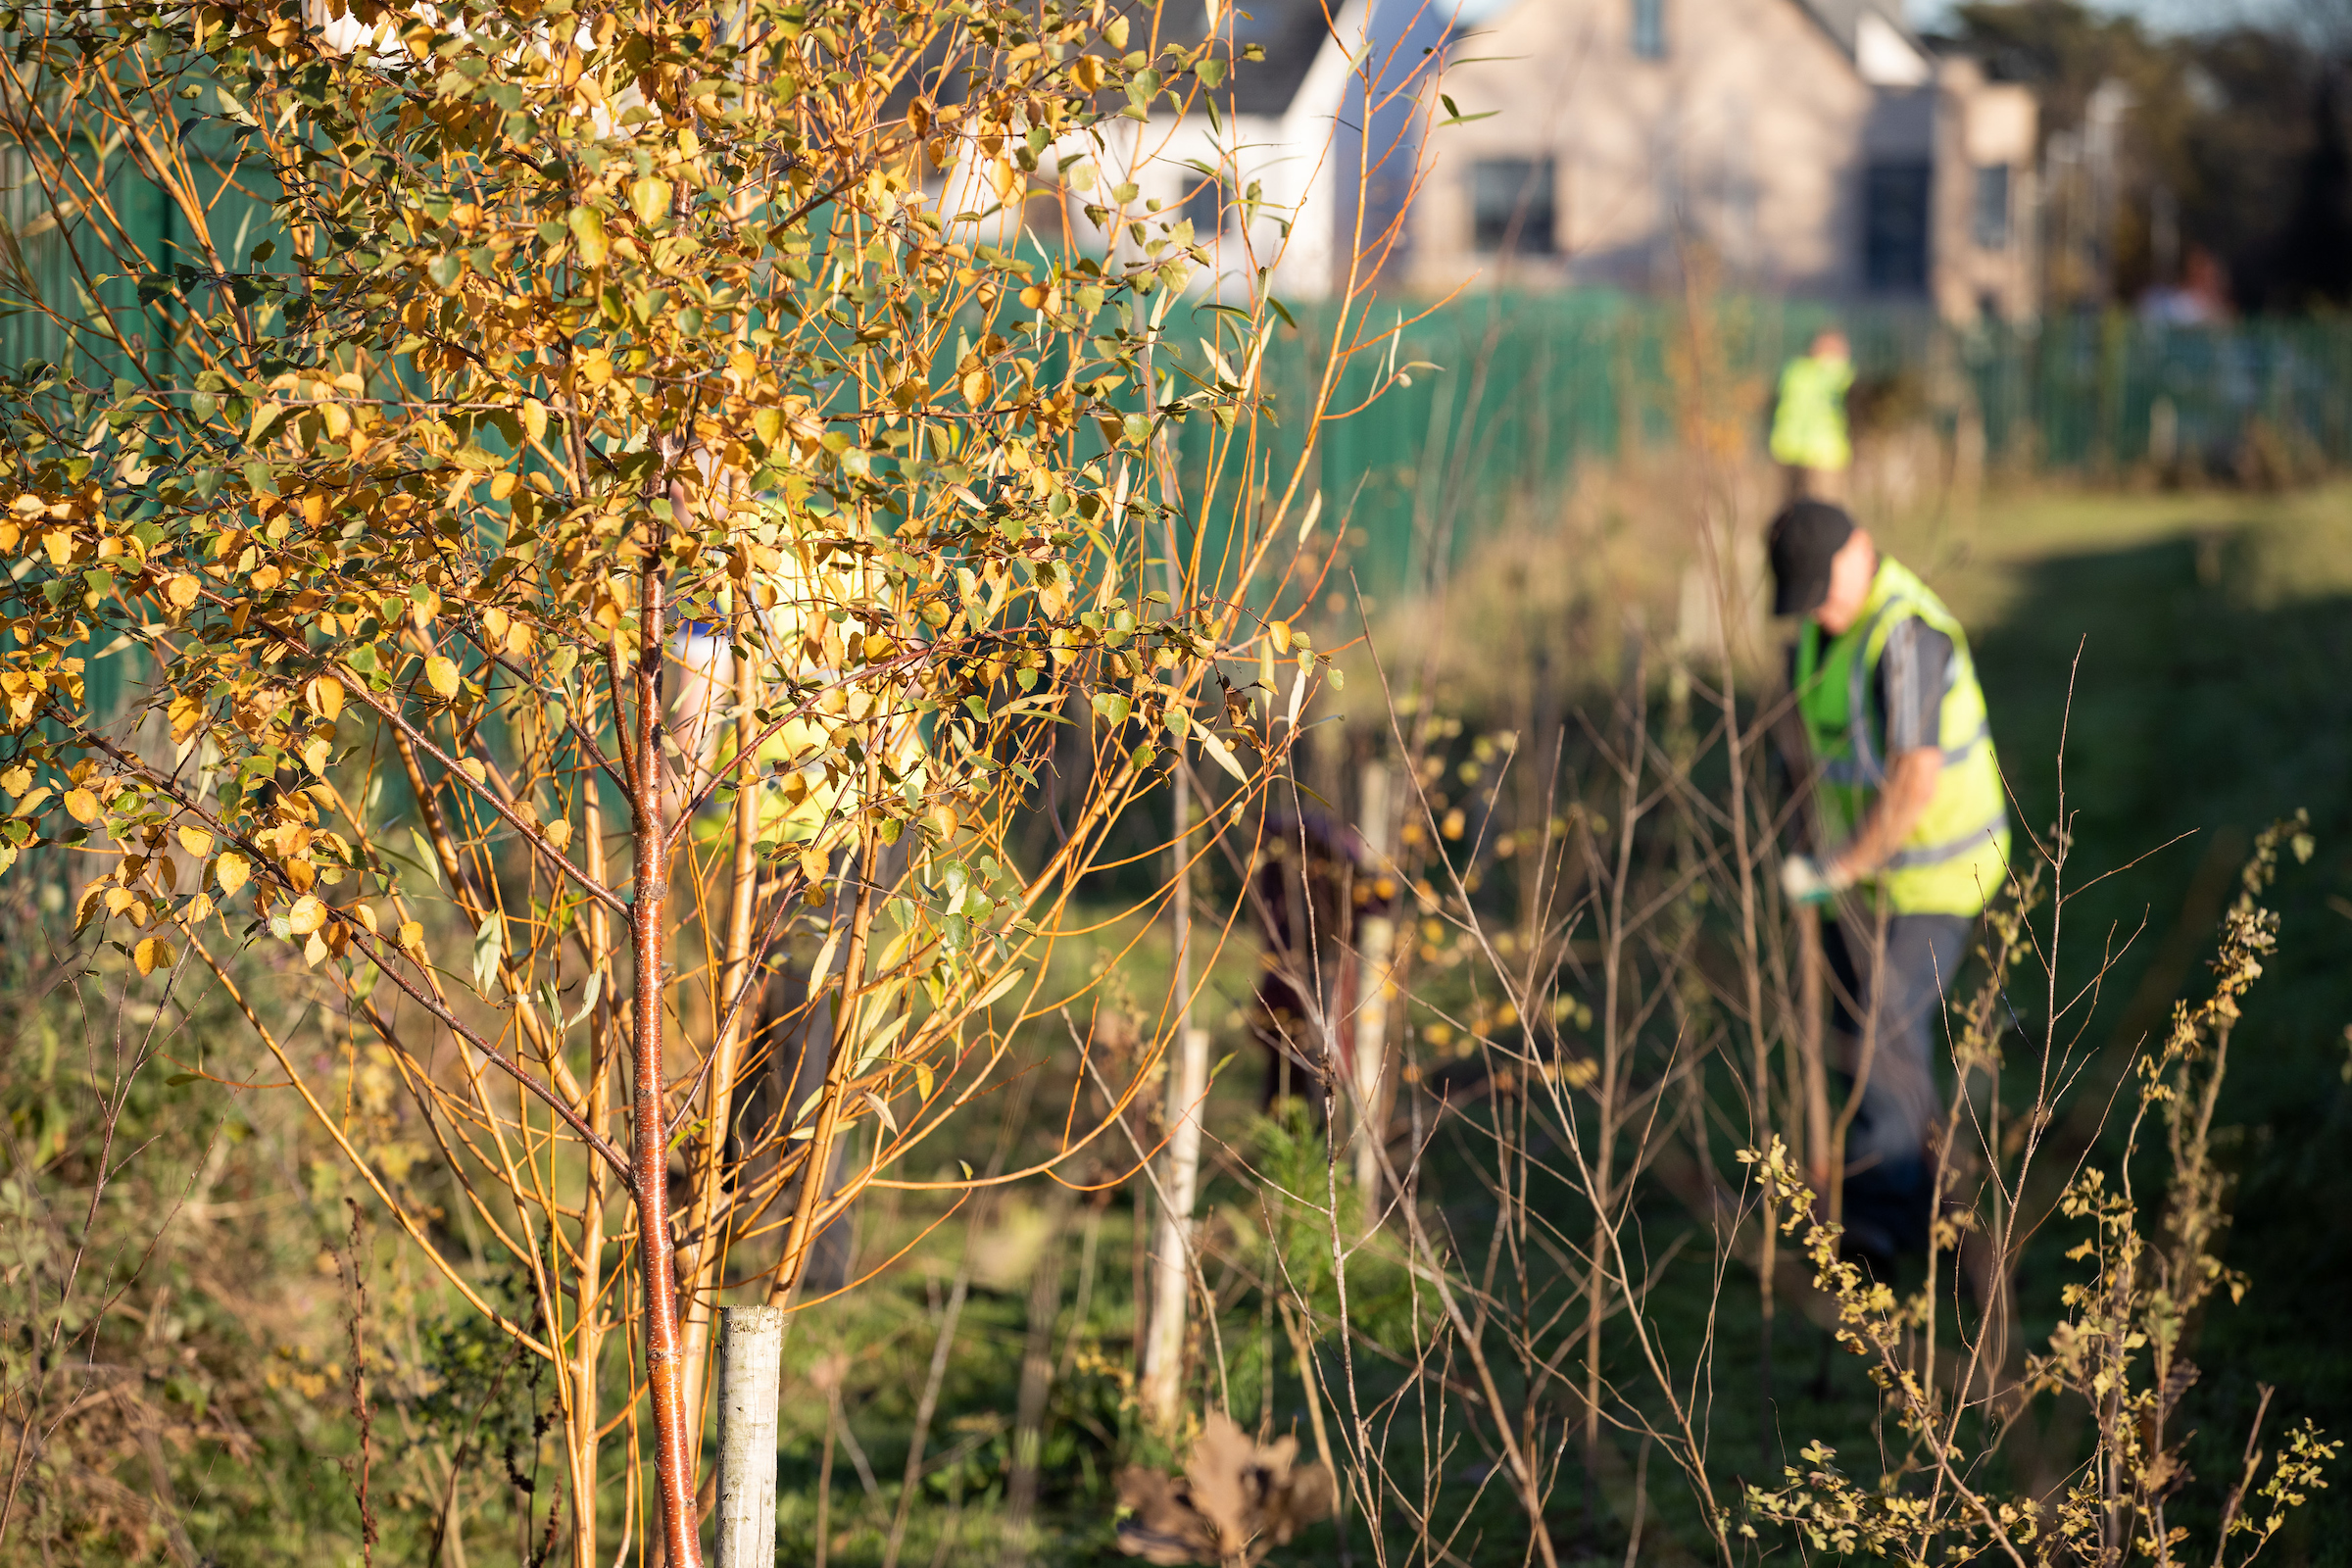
(81, 806)
(1221, 755)
(1004, 983)
(587, 226)
(325, 697)
(651, 197)
(199, 907)
(17, 780)
(316, 754)
(412, 937)
(442, 672)
(196, 841)
(187, 717)
(535, 418)
(181, 591)
(233, 869)
(152, 953)
(307, 915)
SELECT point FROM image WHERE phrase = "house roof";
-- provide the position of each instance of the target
(1291, 33)
(1841, 20)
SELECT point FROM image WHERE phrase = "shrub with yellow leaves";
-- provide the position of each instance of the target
(613, 467)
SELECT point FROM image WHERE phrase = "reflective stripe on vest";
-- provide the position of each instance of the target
(1950, 848)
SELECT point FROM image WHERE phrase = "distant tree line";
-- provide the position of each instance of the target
(2219, 158)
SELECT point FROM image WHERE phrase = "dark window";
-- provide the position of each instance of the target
(1992, 208)
(1894, 227)
(1649, 29)
(1510, 205)
(1204, 206)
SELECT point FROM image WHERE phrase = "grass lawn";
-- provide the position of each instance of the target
(2195, 653)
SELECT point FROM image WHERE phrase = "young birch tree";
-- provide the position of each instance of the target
(590, 537)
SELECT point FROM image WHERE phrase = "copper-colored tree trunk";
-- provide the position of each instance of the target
(664, 1362)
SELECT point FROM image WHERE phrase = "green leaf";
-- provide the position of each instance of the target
(489, 946)
(588, 229)
(1113, 707)
(426, 860)
(595, 989)
(445, 269)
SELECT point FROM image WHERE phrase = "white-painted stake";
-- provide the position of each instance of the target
(751, 1376)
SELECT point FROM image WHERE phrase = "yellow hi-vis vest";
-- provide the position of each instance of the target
(1808, 424)
(1956, 859)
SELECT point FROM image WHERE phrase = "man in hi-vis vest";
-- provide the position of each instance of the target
(1913, 838)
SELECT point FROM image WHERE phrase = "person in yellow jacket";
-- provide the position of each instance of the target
(1810, 440)
(1913, 838)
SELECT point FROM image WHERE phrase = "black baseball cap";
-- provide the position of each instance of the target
(1803, 539)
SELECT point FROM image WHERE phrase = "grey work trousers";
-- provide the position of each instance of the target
(1889, 980)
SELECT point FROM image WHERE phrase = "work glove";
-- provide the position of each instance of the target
(1807, 881)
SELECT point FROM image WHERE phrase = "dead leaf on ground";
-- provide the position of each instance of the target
(1233, 1504)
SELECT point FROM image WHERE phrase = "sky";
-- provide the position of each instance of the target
(2185, 14)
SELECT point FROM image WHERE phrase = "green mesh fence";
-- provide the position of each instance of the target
(1497, 401)
(1522, 390)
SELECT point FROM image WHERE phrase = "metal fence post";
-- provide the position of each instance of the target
(751, 1373)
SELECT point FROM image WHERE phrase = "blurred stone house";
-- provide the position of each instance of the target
(1809, 147)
